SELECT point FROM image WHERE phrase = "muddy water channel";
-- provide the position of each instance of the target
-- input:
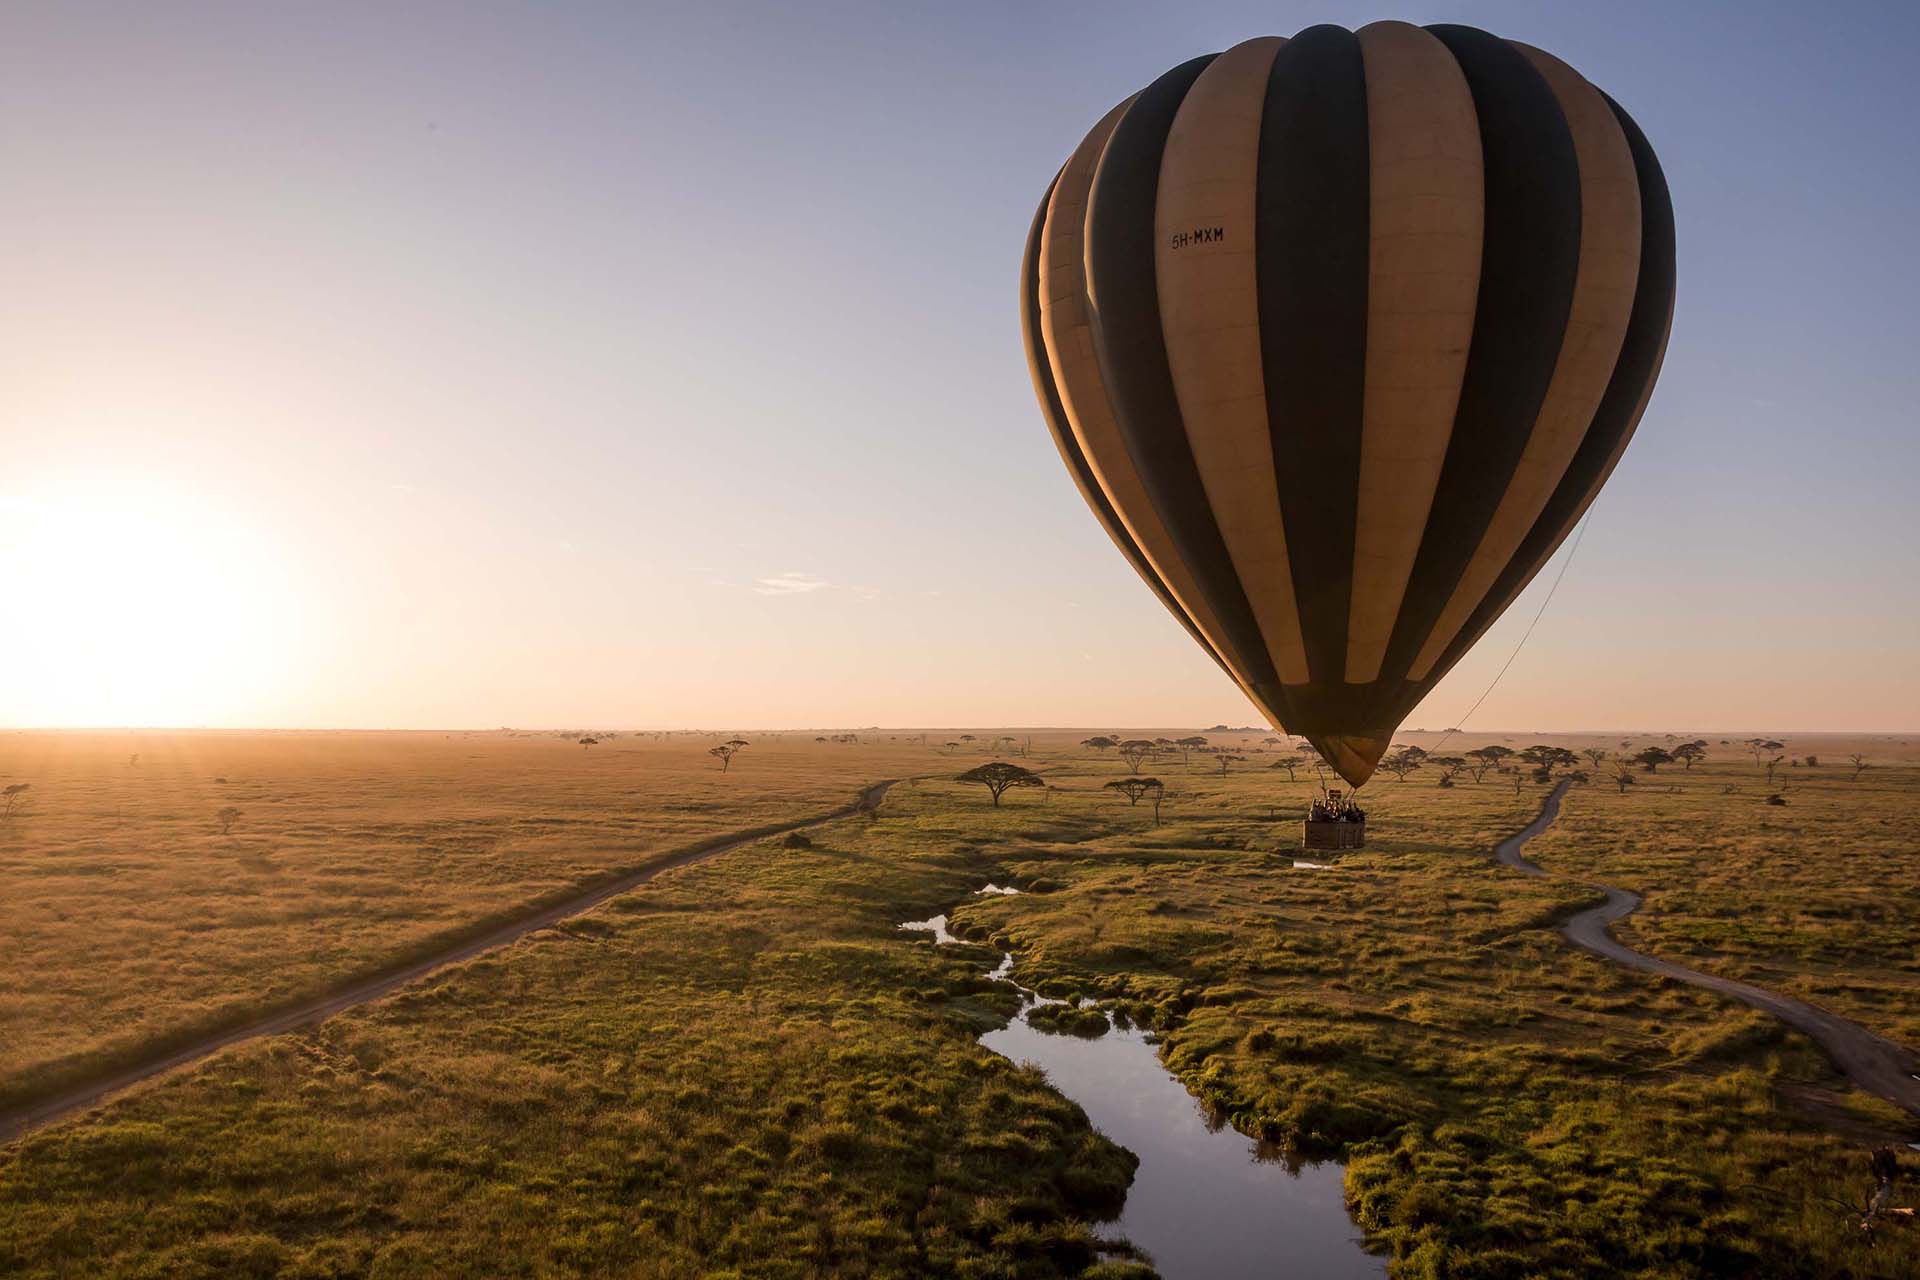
(1207, 1203)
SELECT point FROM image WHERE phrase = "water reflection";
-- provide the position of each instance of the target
(935, 925)
(1207, 1202)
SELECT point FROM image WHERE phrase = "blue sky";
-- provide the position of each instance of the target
(473, 364)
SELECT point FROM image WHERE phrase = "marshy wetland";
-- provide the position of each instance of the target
(746, 1067)
(1205, 1201)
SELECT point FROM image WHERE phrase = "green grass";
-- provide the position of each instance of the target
(746, 1069)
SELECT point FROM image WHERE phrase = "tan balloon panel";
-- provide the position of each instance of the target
(1596, 326)
(1210, 318)
(1361, 449)
(1065, 326)
(1424, 266)
(1592, 491)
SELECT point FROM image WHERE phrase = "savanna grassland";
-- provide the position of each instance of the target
(133, 920)
(744, 1068)
(1818, 897)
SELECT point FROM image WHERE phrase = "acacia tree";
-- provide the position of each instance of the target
(1227, 759)
(589, 742)
(1403, 762)
(1598, 755)
(1102, 743)
(1546, 759)
(1190, 745)
(1773, 762)
(1449, 767)
(15, 790)
(1761, 747)
(1623, 777)
(1687, 752)
(226, 818)
(1858, 761)
(1652, 758)
(1484, 758)
(1136, 751)
(1289, 763)
(1134, 788)
(997, 776)
(726, 751)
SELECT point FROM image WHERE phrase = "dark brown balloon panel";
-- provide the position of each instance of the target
(1338, 337)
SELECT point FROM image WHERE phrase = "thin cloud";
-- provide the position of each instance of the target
(795, 583)
(790, 583)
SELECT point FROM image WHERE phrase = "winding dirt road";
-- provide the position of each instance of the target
(1873, 1062)
(22, 1120)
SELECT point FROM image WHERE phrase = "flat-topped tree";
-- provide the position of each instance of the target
(1449, 767)
(726, 751)
(1545, 759)
(1102, 743)
(1623, 777)
(1597, 754)
(17, 789)
(1136, 751)
(999, 776)
(1136, 788)
(1289, 763)
(1687, 752)
(1481, 759)
(1652, 758)
(1402, 762)
(1226, 758)
(1190, 745)
(1761, 748)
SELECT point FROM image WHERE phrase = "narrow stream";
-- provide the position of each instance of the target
(1207, 1203)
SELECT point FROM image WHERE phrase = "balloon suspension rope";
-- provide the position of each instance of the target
(1538, 613)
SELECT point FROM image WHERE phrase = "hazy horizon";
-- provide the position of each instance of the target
(728, 726)
(468, 365)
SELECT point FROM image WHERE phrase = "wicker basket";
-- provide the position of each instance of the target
(1333, 835)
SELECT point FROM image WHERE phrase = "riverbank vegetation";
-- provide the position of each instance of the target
(746, 1068)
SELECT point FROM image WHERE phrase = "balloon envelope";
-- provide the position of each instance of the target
(1339, 336)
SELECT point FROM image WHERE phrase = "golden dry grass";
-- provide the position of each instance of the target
(132, 920)
(1819, 898)
(745, 1066)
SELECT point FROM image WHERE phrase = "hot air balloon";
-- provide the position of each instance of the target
(1339, 336)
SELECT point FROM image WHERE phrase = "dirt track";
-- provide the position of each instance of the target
(22, 1120)
(1873, 1062)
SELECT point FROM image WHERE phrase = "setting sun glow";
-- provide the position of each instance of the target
(137, 604)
